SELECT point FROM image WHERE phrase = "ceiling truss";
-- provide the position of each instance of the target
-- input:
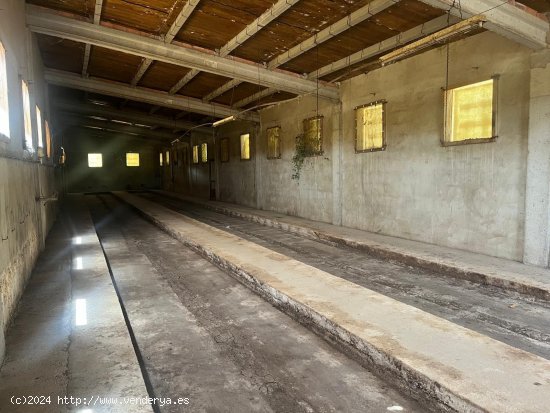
(79, 31)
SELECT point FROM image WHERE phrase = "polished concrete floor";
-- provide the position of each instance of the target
(69, 337)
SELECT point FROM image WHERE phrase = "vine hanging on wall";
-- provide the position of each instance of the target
(303, 151)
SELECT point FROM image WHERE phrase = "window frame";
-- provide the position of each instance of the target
(202, 157)
(27, 117)
(4, 87)
(138, 160)
(493, 138)
(226, 141)
(382, 102)
(279, 156)
(321, 134)
(249, 146)
(100, 157)
(39, 132)
(48, 132)
(195, 150)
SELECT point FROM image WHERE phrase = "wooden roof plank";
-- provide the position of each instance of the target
(268, 16)
(48, 23)
(358, 16)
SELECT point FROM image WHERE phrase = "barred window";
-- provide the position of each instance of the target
(370, 127)
(274, 142)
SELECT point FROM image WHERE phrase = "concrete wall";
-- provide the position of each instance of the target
(114, 175)
(24, 221)
(185, 177)
(537, 201)
(470, 197)
(237, 177)
(311, 196)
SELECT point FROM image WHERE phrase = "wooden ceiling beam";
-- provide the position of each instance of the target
(153, 97)
(53, 24)
(517, 23)
(267, 17)
(255, 97)
(107, 124)
(376, 49)
(128, 115)
(173, 31)
(88, 48)
(384, 46)
(372, 8)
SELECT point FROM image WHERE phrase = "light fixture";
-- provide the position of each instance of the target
(235, 117)
(437, 37)
(222, 121)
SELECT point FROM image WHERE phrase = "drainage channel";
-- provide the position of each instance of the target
(505, 316)
(205, 336)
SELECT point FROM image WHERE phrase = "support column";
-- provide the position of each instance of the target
(337, 136)
(537, 197)
(257, 128)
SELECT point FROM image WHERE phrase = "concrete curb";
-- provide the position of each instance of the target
(435, 396)
(386, 252)
(387, 360)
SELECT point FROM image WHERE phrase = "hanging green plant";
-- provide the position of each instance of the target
(302, 152)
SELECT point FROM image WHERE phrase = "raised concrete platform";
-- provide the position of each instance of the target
(483, 269)
(449, 366)
(69, 338)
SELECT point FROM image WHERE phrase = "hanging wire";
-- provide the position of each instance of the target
(317, 79)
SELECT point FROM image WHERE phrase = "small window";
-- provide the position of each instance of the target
(204, 153)
(470, 113)
(27, 116)
(95, 160)
(370, 133)
(224, 150)
(245, 146)
(195, 153)
(313, 135)
(160, 159)
(167, 157)
(274, 142)
(132, 159)
(48, 139)
(4, 104)
(39, 127)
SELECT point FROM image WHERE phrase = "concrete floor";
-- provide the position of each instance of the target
(506, 316)
(205, 336)
(69, 337)
(445, 364)
(200, 335)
